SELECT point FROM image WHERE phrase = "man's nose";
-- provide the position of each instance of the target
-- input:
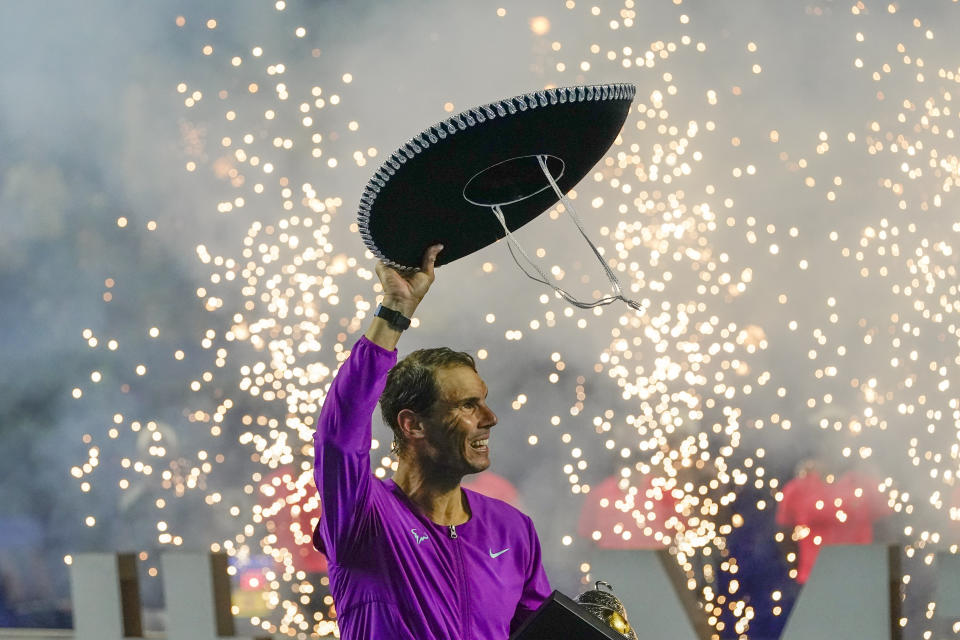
(490, 418)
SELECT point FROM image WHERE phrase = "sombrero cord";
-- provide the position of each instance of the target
(544, 278)
(568, 206)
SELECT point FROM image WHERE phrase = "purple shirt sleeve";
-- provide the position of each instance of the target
(342, 446)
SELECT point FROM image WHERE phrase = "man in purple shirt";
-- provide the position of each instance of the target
(417, 556)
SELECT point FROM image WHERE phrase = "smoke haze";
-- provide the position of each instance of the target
(780, 198)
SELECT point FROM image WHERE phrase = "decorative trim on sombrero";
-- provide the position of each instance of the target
(461, 122)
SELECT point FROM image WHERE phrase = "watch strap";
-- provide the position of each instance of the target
(394, 318)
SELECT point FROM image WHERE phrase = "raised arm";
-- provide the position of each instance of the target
(343, 436)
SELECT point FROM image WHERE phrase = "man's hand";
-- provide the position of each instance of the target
(403, 293)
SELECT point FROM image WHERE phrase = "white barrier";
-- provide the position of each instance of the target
(106, 597)
(853, 593)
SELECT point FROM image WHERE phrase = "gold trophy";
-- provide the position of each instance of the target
(607, 607)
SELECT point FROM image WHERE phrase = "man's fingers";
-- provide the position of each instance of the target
(429, 258)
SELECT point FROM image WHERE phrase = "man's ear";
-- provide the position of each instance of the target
(410, 424)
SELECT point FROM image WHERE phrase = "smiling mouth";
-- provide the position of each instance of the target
(480, 445)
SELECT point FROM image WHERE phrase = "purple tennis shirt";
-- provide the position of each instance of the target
(393, 572)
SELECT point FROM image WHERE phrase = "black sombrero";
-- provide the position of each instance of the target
(440, 186)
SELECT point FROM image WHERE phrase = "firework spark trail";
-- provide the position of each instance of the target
(722, 216)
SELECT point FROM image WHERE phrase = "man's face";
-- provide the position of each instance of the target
(458, 427)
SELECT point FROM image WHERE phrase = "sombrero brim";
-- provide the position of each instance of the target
(419, 196)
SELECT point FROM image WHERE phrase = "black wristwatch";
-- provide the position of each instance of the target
(394, 318)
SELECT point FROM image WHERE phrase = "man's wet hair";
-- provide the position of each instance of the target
(412, 384)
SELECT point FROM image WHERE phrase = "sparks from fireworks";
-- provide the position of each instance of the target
(694, 387)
